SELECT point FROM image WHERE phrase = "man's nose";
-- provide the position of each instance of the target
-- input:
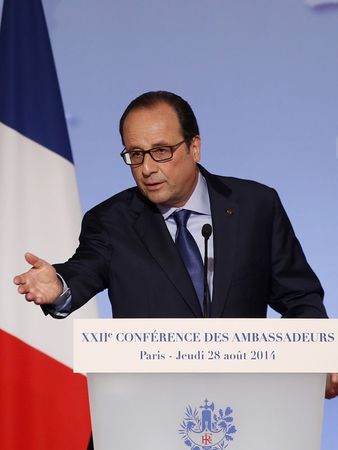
(149, 166)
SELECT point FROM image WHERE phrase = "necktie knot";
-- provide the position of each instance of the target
(181, 217)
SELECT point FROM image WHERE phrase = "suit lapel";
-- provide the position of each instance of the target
(225, 218)
(152, 230)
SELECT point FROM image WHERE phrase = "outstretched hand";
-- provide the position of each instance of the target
(40, 284)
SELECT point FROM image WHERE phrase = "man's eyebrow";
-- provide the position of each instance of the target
(157, 144)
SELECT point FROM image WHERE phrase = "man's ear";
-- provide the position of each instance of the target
(195, 148)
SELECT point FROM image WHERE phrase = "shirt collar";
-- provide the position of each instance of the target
(198, 202)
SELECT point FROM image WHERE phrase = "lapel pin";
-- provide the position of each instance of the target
(229, 212)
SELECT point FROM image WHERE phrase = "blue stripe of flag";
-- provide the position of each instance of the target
(30, 98)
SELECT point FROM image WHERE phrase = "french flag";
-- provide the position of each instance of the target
(43, 405)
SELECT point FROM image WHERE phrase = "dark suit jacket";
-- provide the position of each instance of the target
(125, 247)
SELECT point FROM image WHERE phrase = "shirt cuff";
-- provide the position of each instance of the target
(62, 306)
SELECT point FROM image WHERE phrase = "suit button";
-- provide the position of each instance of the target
(229, 212)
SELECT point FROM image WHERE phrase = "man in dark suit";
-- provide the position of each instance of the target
(127, 242)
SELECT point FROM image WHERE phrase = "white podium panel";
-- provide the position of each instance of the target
(206, 384)
(209, 411)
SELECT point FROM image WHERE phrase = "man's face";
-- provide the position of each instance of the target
(168, 183)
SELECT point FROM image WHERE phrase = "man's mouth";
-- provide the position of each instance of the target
(153, 186)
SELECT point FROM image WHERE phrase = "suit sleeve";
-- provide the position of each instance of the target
(86, 272)
(295, 289)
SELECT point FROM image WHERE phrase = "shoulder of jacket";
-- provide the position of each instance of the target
(119, 201)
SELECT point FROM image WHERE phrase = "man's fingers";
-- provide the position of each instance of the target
(19, 279)
(34, 296)
(39, 301)
(334, 385)
(334, 378)
(331, 385)
(40, 283)
(23, 289)
(34, 260)
(30, 297)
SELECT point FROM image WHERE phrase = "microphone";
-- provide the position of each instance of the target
(206, 233)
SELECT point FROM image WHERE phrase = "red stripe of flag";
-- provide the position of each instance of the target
(30, 383)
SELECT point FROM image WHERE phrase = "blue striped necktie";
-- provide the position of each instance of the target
(189, 252)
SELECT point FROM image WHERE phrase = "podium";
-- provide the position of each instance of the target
(227, 404)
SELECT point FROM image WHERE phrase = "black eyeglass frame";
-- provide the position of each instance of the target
(172, 149)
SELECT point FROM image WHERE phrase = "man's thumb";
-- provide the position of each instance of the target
(34, 260)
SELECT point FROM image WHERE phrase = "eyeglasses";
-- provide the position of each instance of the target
(161, 153)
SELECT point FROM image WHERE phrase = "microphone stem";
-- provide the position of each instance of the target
(206, 299)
